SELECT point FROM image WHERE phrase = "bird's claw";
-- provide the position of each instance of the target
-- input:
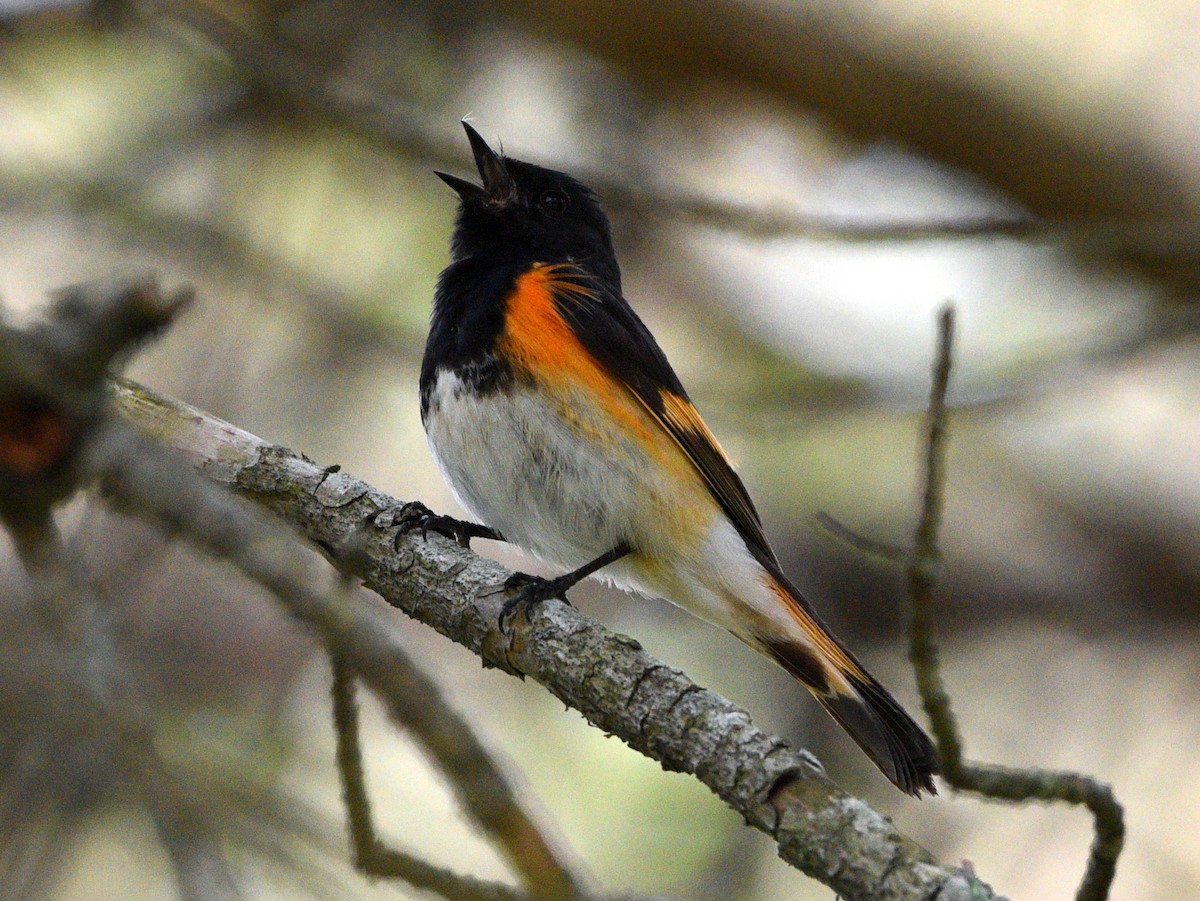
(415, 516)
(530, 592)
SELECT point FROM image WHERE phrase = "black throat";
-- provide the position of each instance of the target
(468, 318)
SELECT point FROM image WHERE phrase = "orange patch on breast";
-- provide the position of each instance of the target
(536, 336)
(538, 341)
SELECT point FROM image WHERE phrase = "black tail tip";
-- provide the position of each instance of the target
(888, 735)
(871, 716)
(918, 776)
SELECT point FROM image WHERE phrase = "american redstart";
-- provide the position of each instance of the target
(559, 424)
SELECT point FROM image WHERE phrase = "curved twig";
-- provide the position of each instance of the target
(370, 854)
(1003, 783)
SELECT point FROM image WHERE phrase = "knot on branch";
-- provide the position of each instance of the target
(52, 389)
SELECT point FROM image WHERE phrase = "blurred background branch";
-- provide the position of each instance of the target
(79, 723)
(131, 136)
(371, 854)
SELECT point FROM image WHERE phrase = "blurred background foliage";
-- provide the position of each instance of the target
(795, 189)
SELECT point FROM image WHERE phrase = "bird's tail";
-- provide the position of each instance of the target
(863, 707)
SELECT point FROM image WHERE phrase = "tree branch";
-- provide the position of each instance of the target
(654, 708)
(57, 433)
(82, 700)
(144, 479)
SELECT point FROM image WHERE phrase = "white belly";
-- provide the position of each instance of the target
(514, 462)
(566, 485)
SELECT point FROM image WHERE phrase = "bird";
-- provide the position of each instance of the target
(560, 427)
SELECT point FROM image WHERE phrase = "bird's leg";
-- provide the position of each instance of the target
(533, 590)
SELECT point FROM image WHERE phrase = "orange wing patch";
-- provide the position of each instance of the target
(683, 423)
(539, 341)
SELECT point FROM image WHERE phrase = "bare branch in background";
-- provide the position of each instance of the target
(370, 854)
(291, 81)
(854, 68)
(1003, 783)
(78, 715)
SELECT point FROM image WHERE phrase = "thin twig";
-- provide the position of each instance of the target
(1003, 783)
(370, 854)
(888, 553)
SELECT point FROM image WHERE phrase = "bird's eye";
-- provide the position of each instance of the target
(553, 202)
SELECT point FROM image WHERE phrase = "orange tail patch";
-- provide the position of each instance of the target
(852, 696)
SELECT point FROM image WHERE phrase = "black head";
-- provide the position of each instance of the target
(531, 214)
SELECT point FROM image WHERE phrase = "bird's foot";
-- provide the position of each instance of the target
(530, 592)
(415, 516)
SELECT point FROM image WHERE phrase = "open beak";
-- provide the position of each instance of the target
(497, 184)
